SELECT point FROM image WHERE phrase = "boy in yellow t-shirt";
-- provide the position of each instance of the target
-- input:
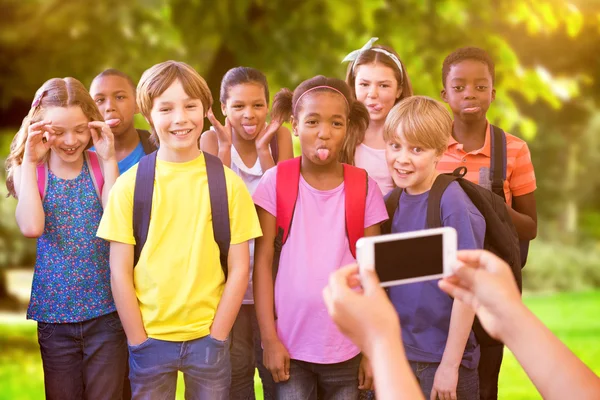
(175, 305)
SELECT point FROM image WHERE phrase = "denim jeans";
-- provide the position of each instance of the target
(246, 355)
(83, 359)
(489, 370)
(309, 381)
(468, 380)
(153, 367)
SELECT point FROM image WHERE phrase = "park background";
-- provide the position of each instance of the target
(547, 57)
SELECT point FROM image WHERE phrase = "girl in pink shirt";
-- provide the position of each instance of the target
(378, 79)
(304, 351)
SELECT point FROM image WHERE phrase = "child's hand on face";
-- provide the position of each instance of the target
(223, 132)
(266, 135)
(485, 283)
(40, 137)
(103, 139)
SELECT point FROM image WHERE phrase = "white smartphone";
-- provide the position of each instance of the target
(401, 258)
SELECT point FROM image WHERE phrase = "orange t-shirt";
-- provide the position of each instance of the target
(520, 177)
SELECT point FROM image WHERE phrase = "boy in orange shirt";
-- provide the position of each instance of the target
(468, 76)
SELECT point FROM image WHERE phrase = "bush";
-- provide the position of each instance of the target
(553, 266)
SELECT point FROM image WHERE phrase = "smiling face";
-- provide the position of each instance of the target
(469, 90)
(321, 125)
(246, 108)
(178, 121)
(72, 134)
(412, 166)
(377, 88)
(115, 98)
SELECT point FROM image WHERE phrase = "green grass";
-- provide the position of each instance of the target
(572, 316)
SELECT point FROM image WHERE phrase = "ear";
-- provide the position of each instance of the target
(444, 95)
(294, 125)
(224, 109)
(493, 94)
(137, 109)
(399, 92)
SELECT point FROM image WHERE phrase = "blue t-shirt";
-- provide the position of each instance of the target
(425, 310)
(132, 159)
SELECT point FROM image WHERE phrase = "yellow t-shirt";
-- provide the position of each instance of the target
(178, 279)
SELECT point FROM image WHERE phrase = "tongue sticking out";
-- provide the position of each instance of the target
(113, 122)
(323, 154)
(250, 129)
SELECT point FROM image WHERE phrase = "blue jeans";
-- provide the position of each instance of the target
(153, 366)
(246, 355)
(309, 381)
(468, 380)
(83, 359)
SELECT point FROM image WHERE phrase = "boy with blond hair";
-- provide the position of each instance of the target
(180, 301)
(436, 331)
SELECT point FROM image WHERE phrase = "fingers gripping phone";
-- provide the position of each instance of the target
(402, 258)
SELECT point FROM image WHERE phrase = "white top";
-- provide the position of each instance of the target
(373, 161)
(251, 177)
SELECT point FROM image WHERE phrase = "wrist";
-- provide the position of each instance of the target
(224, 145)
(511, 319)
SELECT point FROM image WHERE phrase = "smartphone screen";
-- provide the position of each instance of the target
(409, 258)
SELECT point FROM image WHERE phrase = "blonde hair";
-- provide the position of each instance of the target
(56, 92)
(422, 121)
(156, 79)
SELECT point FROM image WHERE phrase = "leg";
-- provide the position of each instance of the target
(206, 368)
(62, 360)
(489, 369)
(242, 356)
(153, 369)
(338, 381)
(265, 376)
(104, 357)
(302, 384)
(468, 384)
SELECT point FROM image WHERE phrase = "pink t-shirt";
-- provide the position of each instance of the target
(317, 245)
(373, 160)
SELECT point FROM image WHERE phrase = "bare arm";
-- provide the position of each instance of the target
(524, 215)
(285, 144)
(238, 262)
(123, 290)
(111, 173)
(30, 212)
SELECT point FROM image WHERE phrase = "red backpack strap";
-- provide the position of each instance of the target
(42, 179)
(288, 179)
(95, 172)
(356, 186)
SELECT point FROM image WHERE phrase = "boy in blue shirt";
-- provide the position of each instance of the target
(437, 331)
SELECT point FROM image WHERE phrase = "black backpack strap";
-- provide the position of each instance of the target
(147, 145)
(434, 202)
(219, 205)
(142, 202)
(498, 162)
(391, 205)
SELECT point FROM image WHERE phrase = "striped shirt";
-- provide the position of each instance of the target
(520, 177)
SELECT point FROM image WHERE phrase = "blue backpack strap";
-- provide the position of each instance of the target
(219, 205)
(498, 162)
(142, 202)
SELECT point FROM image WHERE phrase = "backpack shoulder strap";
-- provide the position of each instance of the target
(356, 187)
(42, 179)
(142, 202)
(274, 146)
(95, 172)
(391, 205)
(147, 145)
(434, 202)
(498, 162)
(219, 205)
(288, 179)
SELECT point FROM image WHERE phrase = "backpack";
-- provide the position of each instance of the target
(500, 234)
(356, 183)
(91, 158)
(217, 188)
(498, 176)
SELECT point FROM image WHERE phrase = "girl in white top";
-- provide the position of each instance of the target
(379, 81)
(249, 146)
